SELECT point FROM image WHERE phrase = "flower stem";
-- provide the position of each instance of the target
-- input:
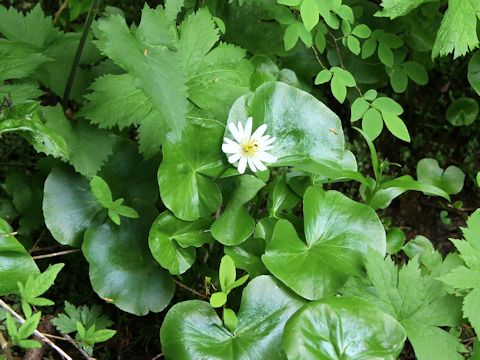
(81, 45)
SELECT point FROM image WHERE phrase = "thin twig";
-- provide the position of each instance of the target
(318, 58)
(193, 291)
(78, 55)
(5, 347)
(59, 11)
(74, 343)
(68, 339)
(37, 242)
(158, 356)
(36, 332)
(49, 248)
(46, 256)
(339, 55)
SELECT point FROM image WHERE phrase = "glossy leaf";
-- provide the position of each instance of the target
(391, 189)
(342, 328)
(25, 120)
(301, 124)
(450, 180)
(16, 264)
(172, 241)
(69, 207)
(185, 174)
(247, 256)
(338, 230)
(193, 330)
(236, 225)
(121, 265)
(462, 111)
(474, 72)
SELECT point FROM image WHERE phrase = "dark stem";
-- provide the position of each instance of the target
(81, 45)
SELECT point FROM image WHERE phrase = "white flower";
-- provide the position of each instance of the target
(248, 149)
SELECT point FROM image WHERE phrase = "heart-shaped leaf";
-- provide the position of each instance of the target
(129, 175)
(172, 241)
(342, 328)
(122, 270)
(236, 225)
(450, 180)
(183, 176)
(306, 131)
(69, 207)
(193, 330)
(462, 111)
(338, 233)
(16, 264)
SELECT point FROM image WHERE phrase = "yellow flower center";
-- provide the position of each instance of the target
(250, 147)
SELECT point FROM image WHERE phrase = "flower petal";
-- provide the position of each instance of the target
(231, 148)
(248, 128)
(267, 140)
(235, 132)
(242, 164)
(259, 132)
(259, 164)
(266, 157)
(251, 164)
(234, 158)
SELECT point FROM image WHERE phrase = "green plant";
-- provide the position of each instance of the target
(208, 136)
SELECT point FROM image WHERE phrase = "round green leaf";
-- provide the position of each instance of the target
(184, 176)
(129, 175)
(462, 111)
(310, 13)
(301, 124)
(359, 107)
(474, 72)
(416, 72)
(236, 225)
(398, 79)
(362, 31)
(396, 126)
(451, 180)
(69, 207)
(395, 240)
(338, 233)
(247, 256)
(218, 299)
(385, 54)
(353, 45)
(122, 270)
(343, 329)
(323, 77)
(372, 123)
(172, 241)
(291, 37)
(193, 330)
(16, 264)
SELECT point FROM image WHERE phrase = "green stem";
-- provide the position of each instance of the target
(81, 45)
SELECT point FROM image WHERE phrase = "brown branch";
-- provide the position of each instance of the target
(46, 256)
(5, 347)
(158, 356)
(36, 332)
(42, 235)
(60, 10)
(193, 291)
(318, 58)
(339, 55)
